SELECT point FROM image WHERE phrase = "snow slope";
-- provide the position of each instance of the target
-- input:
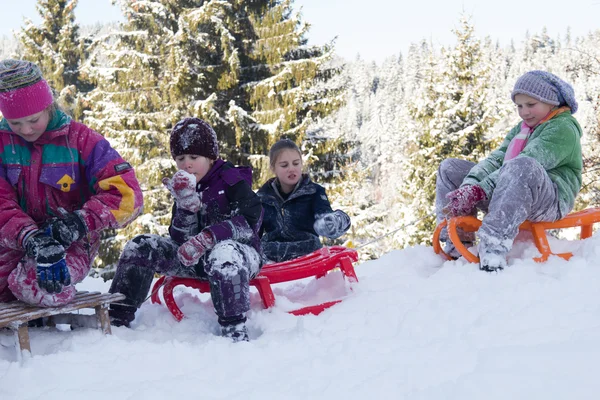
(415, 327)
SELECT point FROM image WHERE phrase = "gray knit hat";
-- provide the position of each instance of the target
(547, 88)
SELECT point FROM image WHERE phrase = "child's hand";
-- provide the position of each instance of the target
(183, 189)
(332, 225)
(66, 230)
(52, 271)
(190, 252)
(463, 200)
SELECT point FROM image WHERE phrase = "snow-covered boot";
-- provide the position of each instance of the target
(121, 315)
(492, 252)
(491, 261)
(451, 250)
(234, 328)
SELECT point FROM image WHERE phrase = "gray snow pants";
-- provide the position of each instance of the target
(228, 267)
(524, 191)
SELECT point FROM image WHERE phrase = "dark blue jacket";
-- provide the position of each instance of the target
(288, 225)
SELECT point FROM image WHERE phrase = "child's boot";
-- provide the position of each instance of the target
(451, 250)
(234, 328)
(121, 315)
(492, 253)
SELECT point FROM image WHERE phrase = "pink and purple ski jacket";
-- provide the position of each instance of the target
(69, 167)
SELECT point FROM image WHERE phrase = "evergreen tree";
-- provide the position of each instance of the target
(242, 66)
(134, 105)
(454, 113)
(268, 85)
(56, 47)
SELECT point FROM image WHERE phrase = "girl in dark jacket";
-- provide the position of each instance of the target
(213, 233)
(297, 210)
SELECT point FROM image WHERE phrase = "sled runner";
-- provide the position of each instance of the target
(16, 314)
(317, 264)
(584, 219)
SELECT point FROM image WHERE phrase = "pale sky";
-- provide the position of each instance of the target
(380, 28)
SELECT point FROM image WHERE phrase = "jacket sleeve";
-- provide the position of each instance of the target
(15, 224)
(261, 230)
(323, 208)
(321, 204)
(184, 225)
(246, 217)
(116, 195)
(485, 173)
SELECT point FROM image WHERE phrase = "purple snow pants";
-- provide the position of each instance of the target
(524, 191)
(228, 267)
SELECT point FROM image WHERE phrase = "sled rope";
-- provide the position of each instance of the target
(395, 230)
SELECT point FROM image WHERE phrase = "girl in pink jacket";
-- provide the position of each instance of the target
(61, 183)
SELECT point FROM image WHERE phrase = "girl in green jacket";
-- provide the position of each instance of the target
(534, 175)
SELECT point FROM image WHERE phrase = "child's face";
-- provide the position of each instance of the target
(194, 164)
(288, 167)
(531, 110)
(32, 127)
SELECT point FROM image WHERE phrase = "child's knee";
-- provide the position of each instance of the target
(22, 282)
(229, 257)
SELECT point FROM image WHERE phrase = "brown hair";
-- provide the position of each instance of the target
(278, 147)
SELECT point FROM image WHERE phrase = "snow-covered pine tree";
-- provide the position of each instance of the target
(280, 89)
(453, 112)
(133, 106)
(56, 47)
(243, 66)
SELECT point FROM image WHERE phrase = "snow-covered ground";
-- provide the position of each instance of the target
(415, 327)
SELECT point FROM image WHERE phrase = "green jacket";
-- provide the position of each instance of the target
(555, 144)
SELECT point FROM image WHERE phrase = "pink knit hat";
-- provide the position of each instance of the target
(23, 91)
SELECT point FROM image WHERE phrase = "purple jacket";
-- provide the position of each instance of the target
(230, 208)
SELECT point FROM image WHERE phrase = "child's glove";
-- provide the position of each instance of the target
(463, 200)
(190, 252)
(332, 225)
(66, 230)
(183, 189)
(52, 272)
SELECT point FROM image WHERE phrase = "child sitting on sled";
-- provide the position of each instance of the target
(534, 175)
(297, 210)
(213, 233)
(61, 184)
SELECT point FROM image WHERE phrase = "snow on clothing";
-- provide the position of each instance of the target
(540, 184)
(555, 145)
(70, 167)
(232, 213)
(288, 225)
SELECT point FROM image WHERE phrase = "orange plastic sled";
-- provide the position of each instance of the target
(585, 219)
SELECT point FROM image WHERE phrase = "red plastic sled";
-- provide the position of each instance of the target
(316, 264)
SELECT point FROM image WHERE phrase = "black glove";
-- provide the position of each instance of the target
(66, 230)
(52, 272)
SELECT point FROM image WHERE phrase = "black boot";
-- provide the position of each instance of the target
(234, 328)
(121, 314)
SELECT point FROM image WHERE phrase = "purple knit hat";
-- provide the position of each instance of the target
(23, 91)
(194, 136)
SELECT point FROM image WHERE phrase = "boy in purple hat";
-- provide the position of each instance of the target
(61, 184)
(534, 175)
(213, 234)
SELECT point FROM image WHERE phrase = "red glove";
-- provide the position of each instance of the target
(190, 252)
(463, 200)
(183, 189)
